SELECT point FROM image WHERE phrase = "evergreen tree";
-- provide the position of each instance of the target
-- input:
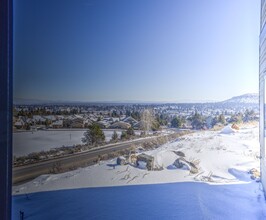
(27, 126)
(124, 135)
(161, 119)
(114, 137)
(155, 125)
(114, 114)
(214, 121)
(94, 135)
(197, 121)
(130, 131)
(176, 122)
(249, 115)
(236, 118)
(221, 119)
(128, 113)
(135, 115)
(47, 122)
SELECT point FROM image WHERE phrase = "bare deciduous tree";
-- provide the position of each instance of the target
(147, 120)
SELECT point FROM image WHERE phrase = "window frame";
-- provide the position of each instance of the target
(6, 106)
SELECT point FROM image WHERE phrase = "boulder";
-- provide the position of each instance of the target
(180, 162)
(121, 160)
(179, 153)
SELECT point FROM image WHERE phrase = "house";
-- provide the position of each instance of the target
(74, 121)
(87, 122)
(30, 121)
(114, 119)
(122, 117)
(103, 124)
(130, 120)
(63, 110)
(38, 119)
(57, 124)
(51, 118)
(108, 119)
(19, 124)
(93, 117)
(138, 126)
(77, 122)
(120, 125)
(60, 117)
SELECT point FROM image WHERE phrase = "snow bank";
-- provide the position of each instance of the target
(228, 130)
(164, 158)
(240, 174)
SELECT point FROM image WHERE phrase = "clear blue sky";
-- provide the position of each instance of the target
(147, 50)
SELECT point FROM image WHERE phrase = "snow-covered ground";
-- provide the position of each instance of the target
(29, 142)
(227, 156)
(222, 189)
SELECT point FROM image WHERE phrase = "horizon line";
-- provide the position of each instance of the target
(18, 101)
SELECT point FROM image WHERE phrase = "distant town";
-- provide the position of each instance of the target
(124, 116)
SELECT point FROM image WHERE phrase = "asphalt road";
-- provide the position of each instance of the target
(28, 172)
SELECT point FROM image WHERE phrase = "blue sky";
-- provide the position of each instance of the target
(145, 50)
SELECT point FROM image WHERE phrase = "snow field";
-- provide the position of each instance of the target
(223, 159)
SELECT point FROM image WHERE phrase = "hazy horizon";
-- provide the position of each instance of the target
(42, 101)
(135, 51)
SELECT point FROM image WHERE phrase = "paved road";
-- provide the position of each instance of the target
(29, 172)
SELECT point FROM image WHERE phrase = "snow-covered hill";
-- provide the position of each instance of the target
(250, 98)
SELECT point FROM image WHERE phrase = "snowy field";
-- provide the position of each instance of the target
(28, 142)
(222, 189)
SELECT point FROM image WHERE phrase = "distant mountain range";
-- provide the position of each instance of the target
(21, 101)
(249, 98)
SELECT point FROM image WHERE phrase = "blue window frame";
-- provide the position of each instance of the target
(6, 88)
